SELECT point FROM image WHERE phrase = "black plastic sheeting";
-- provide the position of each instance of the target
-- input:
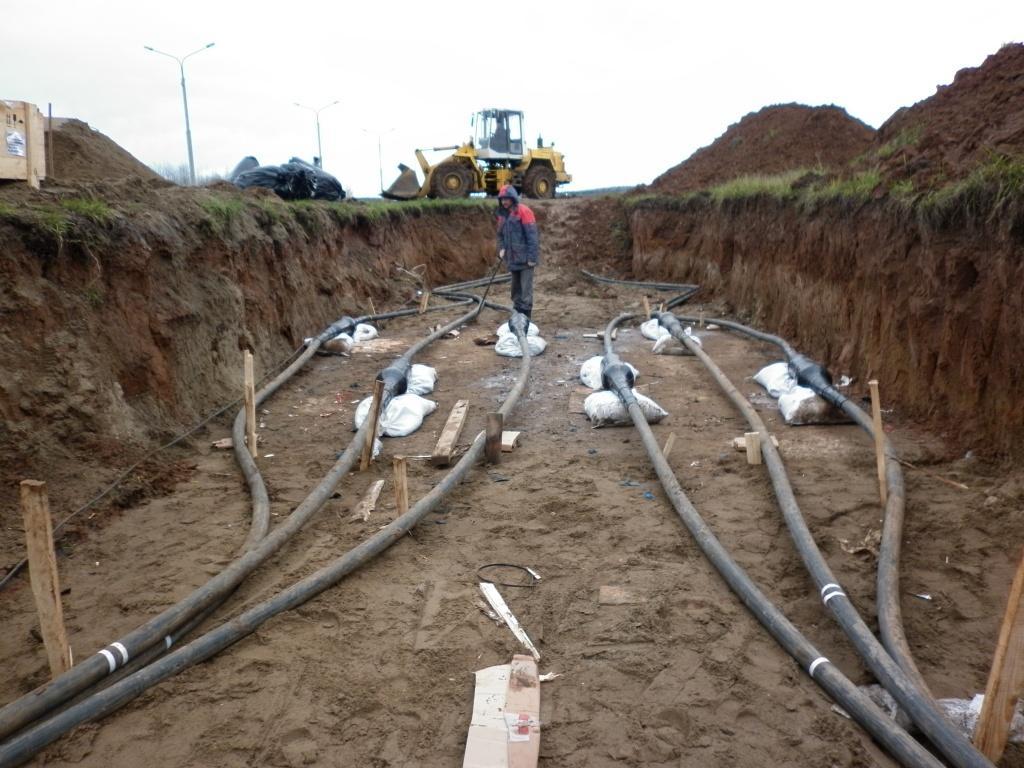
(295, 180)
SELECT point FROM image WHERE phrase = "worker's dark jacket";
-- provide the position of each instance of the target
(517, 234)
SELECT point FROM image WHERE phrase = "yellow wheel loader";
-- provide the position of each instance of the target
(496, 155)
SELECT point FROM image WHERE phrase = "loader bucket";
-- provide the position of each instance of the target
(405, 187)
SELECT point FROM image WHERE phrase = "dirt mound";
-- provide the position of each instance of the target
(946, 136)
(775, 139)
(81, 153)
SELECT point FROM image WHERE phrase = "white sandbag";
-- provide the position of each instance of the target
(776, 379)
(403, 415)
(590, 372)
(508, 345)
(364, 332)
(342, 343)
(605, 409)
(653, 330)
(664, 346)
(422, 379)
(801, 406)
(504, 330)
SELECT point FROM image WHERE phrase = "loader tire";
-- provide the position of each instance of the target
(539, 182)
(450, 180)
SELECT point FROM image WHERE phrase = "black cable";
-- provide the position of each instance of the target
(820, 669)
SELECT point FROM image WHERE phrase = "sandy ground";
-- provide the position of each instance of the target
(378, 670)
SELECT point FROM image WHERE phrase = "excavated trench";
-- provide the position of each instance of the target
(117, 334)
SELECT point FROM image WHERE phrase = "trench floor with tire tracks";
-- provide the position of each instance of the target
(378, 670)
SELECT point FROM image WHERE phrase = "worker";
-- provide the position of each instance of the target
(518, 246)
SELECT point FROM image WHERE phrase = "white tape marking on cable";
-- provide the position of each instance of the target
(123, 651)
(827, 587)
(111, 663)
(815, 664)
(167, 641)
(830, 595)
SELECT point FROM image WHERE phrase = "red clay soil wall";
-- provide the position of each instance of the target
(935, 314)
(124, 331)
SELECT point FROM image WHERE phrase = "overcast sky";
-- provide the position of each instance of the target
(625, 89)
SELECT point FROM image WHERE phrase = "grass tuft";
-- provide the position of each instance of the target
(96, 211)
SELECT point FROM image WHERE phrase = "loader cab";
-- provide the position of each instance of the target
(498, 135)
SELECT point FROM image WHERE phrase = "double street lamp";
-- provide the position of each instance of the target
(319, 148)
(184, 98)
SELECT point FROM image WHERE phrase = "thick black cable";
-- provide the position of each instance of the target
(917, 703)
(22, 747)
(820, 669)
(890, 615)
(17, 714)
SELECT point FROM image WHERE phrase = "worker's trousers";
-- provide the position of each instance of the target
(522, 291)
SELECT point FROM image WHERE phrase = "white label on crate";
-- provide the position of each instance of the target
(15, 144)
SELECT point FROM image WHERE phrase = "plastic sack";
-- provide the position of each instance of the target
(421, 380)
(508, 345)
(962, 713)
(590, 372)
(364, 332)
(776, 379)
(653, 330)
(605, 409)
(340, 344)
(289, 182)
(663, 346)
(504, 330)
(403, 415)
(325, 186)
(247, 163)
(801, 406)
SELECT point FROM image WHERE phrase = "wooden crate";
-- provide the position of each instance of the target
(22, 142)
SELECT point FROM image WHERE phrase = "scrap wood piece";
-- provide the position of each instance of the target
(505, 729)
(450, 434)
(368, 503)
(500, 607)
(223, 443)
(740, 443)
(1006, 680)
(509, 440)
(486, 341)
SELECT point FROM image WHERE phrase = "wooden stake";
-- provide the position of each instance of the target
(702, 318)
(647, 308)
(250, 404)
(668, 445)
(492, 446)
(401, 485)
(424, 301)
(876, 419)
(374, 417)
(1006, 680)
(444, 451)
(373, 309)
(369, 502)
(753, 447)
(42, 568)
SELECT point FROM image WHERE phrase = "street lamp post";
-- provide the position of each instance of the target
(319, 148)
(184, 98)
(380, 165)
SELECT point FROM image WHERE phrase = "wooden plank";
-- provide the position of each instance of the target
(611, 594)
(668, 445)
(876, 427)
(522, 713)
(368, 502)
(492, 446)
(1006, 680)
(401, 484)
(250, 404)
(449, 439)
(647, 308)
(424, 300)
(374, 419)
(42, 568)
(509, 440)
(753, 440)
(740, 443)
